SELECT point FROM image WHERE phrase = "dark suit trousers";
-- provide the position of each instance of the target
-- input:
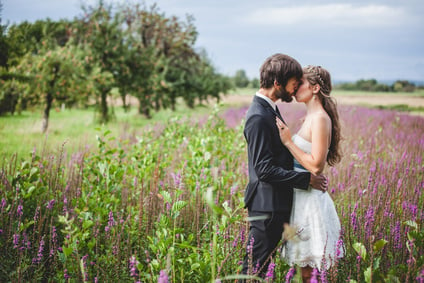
(265, 235)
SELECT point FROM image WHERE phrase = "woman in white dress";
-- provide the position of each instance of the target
(314, 216)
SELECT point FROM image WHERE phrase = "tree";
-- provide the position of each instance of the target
(58, 76)
(29, 37)
(101, 33)
(172, 67)
(169, 44)
(11, 95)
(241, 79)
(402, 85)
(255, 83)
(4, 46)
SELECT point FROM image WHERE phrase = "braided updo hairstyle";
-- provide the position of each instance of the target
(318, 75)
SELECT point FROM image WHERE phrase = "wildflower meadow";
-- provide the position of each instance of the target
(165, 204)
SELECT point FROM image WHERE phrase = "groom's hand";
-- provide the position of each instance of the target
(319, 182)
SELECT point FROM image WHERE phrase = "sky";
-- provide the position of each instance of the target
(373, 39)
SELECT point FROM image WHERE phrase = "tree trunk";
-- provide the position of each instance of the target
(146, 112)
(124, 103)
(46, 113)
(144, 109)
(49, 98)
(103, 107)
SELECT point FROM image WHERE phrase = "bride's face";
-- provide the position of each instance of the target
(304, 93)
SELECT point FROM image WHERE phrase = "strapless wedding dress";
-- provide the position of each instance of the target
(317, 242)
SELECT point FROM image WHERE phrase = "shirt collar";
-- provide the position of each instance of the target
(267, 99)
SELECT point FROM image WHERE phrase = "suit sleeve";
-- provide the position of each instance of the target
(258, 134)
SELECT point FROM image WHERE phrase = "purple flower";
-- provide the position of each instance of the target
(177, 179)
(50, 204)
(369, 220)
(84, 261)
(290, 274)
(65, 274)
(3, 204)
(111, 222)
(314, 278)
(323, 276)
(163, 277)
(396, 240)
(250, 245)
(270, 271)
(353, 220)
(19, 211)
(39, 257)
(25, 242)
(65, 204)
(420, 278)
(15, 241)
(233, 189)
(414, 210)
(133, 266)
(235, 242)
(36, 214)
(111, 219)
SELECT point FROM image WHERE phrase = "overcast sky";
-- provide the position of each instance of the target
(352, 39)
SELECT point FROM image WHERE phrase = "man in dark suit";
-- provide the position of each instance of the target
(269, 193)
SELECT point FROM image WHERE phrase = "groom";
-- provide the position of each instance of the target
(269, 193)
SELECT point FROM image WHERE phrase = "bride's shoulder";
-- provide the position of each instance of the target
(321, 116)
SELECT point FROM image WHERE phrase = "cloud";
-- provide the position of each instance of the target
(343, 15)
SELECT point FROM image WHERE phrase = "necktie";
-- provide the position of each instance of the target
(278, 111)
(279, 114)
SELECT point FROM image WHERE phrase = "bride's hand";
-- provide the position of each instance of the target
(285, 134)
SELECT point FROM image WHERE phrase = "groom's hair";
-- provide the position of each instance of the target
(280, 68)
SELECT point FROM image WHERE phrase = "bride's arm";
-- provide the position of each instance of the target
(320, 132)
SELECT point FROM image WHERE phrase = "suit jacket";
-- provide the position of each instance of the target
(271, 175)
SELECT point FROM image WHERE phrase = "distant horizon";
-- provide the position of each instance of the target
(386, 82)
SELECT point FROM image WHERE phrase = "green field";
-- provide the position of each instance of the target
(75, 128)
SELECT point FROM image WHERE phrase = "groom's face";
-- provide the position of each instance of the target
(286, 93)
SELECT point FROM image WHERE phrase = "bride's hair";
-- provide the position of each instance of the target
(318, 75)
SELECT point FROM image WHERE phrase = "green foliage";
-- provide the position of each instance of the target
(364, 85)
(374, 86)
(58, 77)
(129, 201)
(11, 96)
(372, 273)
(28, 37)
(403, 86)
(134, 49)
(255, 83)
(240, 79)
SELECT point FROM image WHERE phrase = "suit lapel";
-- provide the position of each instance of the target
(266, 105)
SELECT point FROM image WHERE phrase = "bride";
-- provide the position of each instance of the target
(317, 142)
